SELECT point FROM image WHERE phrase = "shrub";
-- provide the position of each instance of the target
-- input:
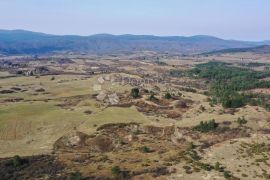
(75, 176)
(152, 98)
(206, 126)
(227, 174)
(135, 92)
(191, 146)
(217, 166)
(194, 155)
(145, 149)
(146, 90)
(188, 89)
(17, 161)
(206, 167)
(233, 102)
(241, 121)
(168, 95)
(202, 108)
(116, 170)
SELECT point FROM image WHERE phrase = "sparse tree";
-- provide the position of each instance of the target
(168, 95)
(217, 166)
(17, 161)
(135, 92)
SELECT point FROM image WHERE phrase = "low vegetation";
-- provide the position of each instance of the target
(207, 126)
(241, 121)
(135, 92)
(168, 95)
(75, 176)
(17, 161)
(151, 129)
(116, 171)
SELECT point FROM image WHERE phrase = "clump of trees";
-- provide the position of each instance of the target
(207, 126)
(228, 82)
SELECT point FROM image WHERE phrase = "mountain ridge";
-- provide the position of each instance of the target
(262, 49)
(28, 42)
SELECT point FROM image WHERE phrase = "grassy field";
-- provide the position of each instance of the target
(32, 125)
(36, 111)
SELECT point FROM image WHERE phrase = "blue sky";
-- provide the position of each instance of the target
(229, 19)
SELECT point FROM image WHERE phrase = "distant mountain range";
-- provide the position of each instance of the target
(14, 42)
(264, 49)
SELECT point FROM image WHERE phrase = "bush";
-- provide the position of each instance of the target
(202, 108)
(227, 174)
(168, 95)
(75, 176)
(152, 98)
(17, 161)
(233, 102)
(206, 167)
(116, 170)
(194, 155)
(145, 149)
(217, 166)
(206, 126)
(146, 90)
(191, 146)
(241, 121)
(135, 92)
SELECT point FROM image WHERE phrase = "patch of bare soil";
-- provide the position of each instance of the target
(70, 102)
(261, 91)
(169, 108)
(205, 140)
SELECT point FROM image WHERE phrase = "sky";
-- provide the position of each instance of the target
(228, 19)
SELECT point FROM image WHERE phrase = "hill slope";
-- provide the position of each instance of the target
(264, 49)
(27, 42)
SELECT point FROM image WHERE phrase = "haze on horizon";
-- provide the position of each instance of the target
(228, 19)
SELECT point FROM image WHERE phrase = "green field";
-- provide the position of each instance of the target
(32, 125)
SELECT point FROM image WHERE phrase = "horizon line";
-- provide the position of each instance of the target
(123, 34)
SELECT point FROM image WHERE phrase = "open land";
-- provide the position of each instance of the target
(134, 116)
